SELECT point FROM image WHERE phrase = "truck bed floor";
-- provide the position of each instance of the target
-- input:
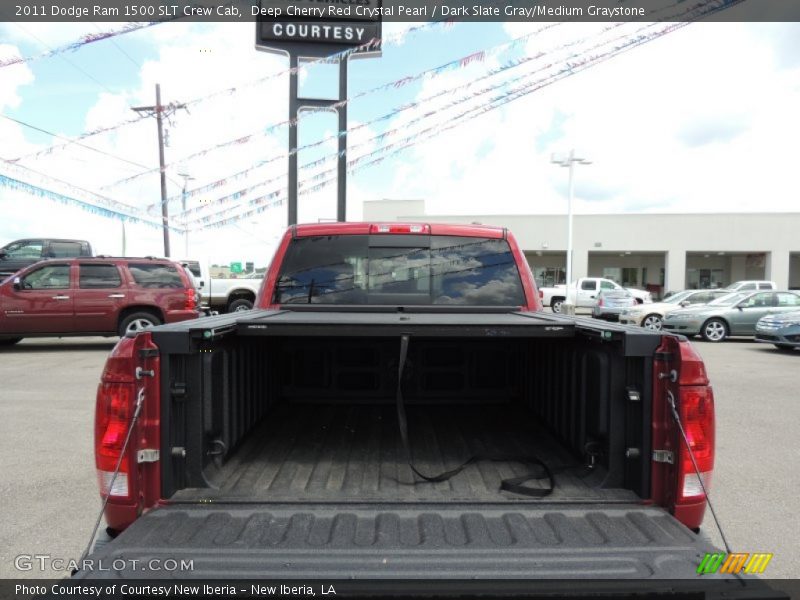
(335, 453)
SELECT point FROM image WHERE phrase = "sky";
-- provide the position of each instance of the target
(700, 119)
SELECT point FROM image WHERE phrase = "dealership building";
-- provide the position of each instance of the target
(658, 252)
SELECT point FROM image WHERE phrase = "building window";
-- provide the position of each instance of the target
(549, 276)
(612, 273)
(630, 277)
(704, 279)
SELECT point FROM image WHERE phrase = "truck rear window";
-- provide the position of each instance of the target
(399, 270)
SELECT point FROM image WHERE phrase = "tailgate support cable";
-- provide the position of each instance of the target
(514, 485)
(671, 400)
(137, 410)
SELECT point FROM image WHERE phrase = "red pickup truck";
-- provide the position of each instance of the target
(398, 405)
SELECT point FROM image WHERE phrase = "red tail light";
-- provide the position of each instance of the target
(113, 414)
(600, 302)
(191, 299)
(696, 410)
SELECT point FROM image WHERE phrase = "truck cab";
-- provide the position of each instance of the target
(22, 253)
(589, 287)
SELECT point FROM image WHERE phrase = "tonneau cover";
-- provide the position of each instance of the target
(427, 321)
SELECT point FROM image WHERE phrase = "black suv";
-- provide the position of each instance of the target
(22, 253)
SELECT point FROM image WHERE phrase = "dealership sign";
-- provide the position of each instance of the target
(336, 26)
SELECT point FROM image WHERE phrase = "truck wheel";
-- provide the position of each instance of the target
(556, 303)
(9, 341)
(652, 322)
(240, 305)
(714, 330)
(136, 322)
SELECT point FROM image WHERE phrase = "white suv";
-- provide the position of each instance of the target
(751, 286)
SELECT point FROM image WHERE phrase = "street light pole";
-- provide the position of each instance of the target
(570, 163)
(186, 179)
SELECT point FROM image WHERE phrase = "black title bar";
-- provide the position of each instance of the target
(532, 11)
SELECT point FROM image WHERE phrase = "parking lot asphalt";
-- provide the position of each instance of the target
(50, 498)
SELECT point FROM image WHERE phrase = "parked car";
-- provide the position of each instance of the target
(732, 314)
(650, 316)
(610, 303)
(94, 296)
(751, 286)
(783, 330)
(23, 253)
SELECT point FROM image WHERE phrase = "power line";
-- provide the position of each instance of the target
(55, 135)
(65, 59)
(118, 47)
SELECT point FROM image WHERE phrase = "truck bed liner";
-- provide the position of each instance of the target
(312, 452)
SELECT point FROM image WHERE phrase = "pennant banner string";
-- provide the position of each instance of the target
(33, 190)
(275, 199)
(402, 81)
(218, 93)
(381, 137)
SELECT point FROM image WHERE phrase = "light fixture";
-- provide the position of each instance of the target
(598, 244)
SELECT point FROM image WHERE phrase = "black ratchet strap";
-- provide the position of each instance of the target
(514, 485)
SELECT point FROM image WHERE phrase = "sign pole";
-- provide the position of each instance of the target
(293, 125)
(325, 35)
(341, 194)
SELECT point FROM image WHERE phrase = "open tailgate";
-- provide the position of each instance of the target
(421, 542)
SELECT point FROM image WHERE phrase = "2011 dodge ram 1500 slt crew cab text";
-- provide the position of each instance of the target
(398, 406)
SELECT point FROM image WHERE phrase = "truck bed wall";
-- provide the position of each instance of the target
(576, 387)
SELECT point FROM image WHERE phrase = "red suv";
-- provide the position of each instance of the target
(94, 296)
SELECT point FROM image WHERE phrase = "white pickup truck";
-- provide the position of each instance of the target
(229, 294)
(584, 292)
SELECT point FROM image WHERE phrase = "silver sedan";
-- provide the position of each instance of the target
(733, 314)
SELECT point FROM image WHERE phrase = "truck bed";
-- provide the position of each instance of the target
(350, 452)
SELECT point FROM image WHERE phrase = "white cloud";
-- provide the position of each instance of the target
(703, 119)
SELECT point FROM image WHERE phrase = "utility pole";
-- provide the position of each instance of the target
(569, 162)
(158, 110)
